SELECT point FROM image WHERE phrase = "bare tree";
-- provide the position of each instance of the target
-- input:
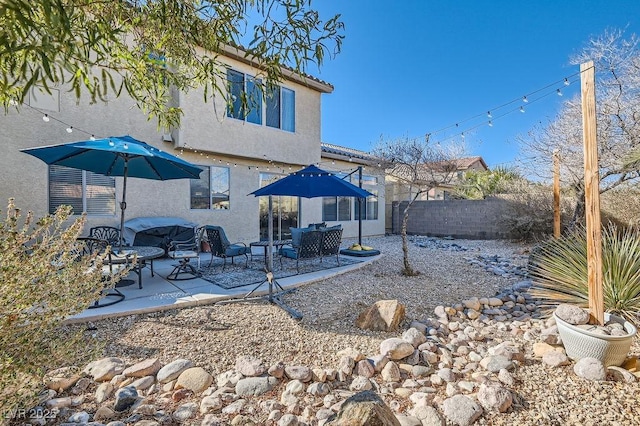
(419, 165)
(617, 64)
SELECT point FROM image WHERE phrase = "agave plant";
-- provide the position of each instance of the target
(559, 271)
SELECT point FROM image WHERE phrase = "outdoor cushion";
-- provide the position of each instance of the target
(317, 225)
(296, 234)
(289, 252)
(236, 250)
(330, 228)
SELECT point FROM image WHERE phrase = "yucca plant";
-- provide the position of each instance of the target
(559, 271)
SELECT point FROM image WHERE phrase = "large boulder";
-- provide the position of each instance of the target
(384, 315)
(364, 409)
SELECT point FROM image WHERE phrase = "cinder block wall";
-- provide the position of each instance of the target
(471, 219)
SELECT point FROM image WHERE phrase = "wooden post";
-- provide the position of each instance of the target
(592, 193)
(556, 194)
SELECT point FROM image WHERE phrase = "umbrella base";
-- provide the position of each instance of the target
(271, 297)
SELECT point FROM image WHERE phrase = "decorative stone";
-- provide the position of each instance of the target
(572, 314)
(254, 386)
(427, 415)
(395, 348)
(384, 315)
(494, 398)
(148, 367)
(414, 336)
(461, 410)
(125, 398)
(363, 408)
(249, 366)
(62, 379)
(391, 372)
(555, 359)
(105, 369)
(195, 379)
(185, 412)
(590, 369)
(620, 374)
(298, 372)
(173, 370)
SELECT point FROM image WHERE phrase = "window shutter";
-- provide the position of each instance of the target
(65, 188)
(100, 194)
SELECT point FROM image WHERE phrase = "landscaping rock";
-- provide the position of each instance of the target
(461, 410)
(363, 409)
(590, 369)
(572, 314)
(384, 315)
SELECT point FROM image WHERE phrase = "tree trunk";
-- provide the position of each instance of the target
(407, 269)
(580, 209)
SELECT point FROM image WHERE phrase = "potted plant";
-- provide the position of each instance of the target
(559, 270)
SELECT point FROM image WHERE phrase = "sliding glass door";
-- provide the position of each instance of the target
(285, 211)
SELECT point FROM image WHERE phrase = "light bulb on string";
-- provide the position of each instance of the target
(489, 114)
(45, 118)
(70, 129)
(566, 82)
(521, 109)
(524, 99)
(92, 138)
(490, 123)
(559, 92)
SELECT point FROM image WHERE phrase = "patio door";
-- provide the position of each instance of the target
(285, 211)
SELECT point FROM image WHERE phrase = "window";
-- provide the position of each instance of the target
(281, 107)
(370, 204)
(336, 208)
(85, 192)
(245, 92)
(211, 191)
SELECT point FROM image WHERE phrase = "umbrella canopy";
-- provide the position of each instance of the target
(117, 156)
(312, 182)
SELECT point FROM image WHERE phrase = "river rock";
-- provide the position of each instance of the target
(572, 314)
(461, 410)
(361, 409)
(195, 379)
(173, 370)
(148, 367)
(590, 369)
(396, 348)
(384, 315)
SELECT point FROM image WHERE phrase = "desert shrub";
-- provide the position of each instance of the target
(529, 214)
(42, 282)
(621, 206)
(559, 271)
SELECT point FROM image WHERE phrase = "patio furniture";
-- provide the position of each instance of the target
(183, 252)
(157, 231)
(142, 254)
(277, 244)
(109, 233)
(331, 239)
(221, 247)
(310, 248)
(89, 246)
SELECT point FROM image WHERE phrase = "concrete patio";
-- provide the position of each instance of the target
(159, 294)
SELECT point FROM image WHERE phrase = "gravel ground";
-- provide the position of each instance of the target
(214, 336)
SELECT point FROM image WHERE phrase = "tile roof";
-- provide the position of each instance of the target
(347, 152)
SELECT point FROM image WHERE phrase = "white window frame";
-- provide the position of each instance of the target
(211, 185)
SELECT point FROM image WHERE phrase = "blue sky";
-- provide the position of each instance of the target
(412, 67)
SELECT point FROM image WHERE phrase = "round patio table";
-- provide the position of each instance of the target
(142, 254)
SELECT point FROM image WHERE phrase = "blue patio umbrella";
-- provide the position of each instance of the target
(117, 156)
(309, 182)
(312, 182)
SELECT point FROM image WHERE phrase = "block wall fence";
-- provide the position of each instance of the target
(471, 219)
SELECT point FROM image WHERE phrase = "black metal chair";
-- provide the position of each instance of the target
(221, 247)
(331, 240)
(310, 248)
(90, 246)
(183, 252)
(108, 233)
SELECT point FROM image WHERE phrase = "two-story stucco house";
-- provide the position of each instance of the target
(237, 152)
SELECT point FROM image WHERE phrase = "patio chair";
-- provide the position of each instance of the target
(183, 252)
(89, 246)
(310, 248)
(221, 247)
(108, 233)
(332, 237)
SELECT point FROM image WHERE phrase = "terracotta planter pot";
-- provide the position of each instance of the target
(610, 350)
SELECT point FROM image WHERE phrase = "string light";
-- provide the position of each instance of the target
(45, 118)
(559, 92)
(489, 114)
(566, 82)
(525, 99)
(69, 129)
(490, 123)
(521, 109)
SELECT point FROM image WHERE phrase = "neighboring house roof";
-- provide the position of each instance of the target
(343, 153)
(466, 163)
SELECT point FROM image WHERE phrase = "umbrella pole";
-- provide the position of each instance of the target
(123, 204)
(270, 246)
